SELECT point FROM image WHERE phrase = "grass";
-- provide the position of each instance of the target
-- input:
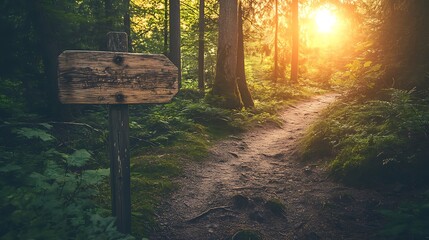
(409, 221)
(371, 141)
(377, 142)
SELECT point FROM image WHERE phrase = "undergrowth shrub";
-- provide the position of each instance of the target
(47, 193)
(360, 77)
(409, 221)
(375, 140)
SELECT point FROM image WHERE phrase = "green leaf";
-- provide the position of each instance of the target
(38, 180)
(32, 133)
(53, 153)
(92, 177)
(79, 158)
(10, 168)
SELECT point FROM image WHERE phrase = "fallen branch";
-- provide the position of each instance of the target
(18, 124)
(234, 154)
(194, 219)
(78, 124)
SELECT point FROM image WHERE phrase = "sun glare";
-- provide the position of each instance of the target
(325, 20)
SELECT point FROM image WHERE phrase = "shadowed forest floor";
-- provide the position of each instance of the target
(255, 182)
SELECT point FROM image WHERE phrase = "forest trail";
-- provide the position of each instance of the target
(240, 185)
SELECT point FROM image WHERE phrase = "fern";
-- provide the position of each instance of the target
(377, 140)
(54, 202)
(34, 133)
(409, 221)
(79, 158)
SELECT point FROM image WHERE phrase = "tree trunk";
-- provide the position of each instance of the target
(201, 26)
(127, 23)
(109, 12)
(276, 61)
(166, 27)
(225, 84)
(175, 36)
(106, 24)
(295, 42)
(246, 97)
(50, 51)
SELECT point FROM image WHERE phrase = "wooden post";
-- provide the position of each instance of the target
(119, 147)
(117, 78)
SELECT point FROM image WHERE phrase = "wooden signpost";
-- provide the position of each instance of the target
(117, 78)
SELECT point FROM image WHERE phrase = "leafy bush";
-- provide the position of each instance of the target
(377, 140)
(360, 77)
(409, 221)
(49, 194)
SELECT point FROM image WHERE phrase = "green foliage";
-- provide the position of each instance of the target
(378, 140)
(11, 101)
(404, 52)
(149, 29)
(360, 77)
(49, 194)
(79, 158)
(151, 179)
(189, 40)
(36, 133)
(271, 97)
(409, 221)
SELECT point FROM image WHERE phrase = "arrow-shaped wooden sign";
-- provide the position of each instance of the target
(94, 77)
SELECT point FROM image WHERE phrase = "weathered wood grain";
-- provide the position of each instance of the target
(93, 77)
(119, 145)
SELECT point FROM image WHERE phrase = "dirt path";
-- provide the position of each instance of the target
(246, 177)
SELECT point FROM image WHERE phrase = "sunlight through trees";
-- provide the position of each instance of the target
(241, 63)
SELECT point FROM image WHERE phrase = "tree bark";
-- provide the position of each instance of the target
(106, 25)
(246, 97)
(225, 83)
(165, 27)
(50, 51)
(175, 55)
(127, 23)
(119, 149)
(295, 42)
(276, 61)
(109, 12)
(201, 26)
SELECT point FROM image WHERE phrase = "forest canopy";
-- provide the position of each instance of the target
(341, 37)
